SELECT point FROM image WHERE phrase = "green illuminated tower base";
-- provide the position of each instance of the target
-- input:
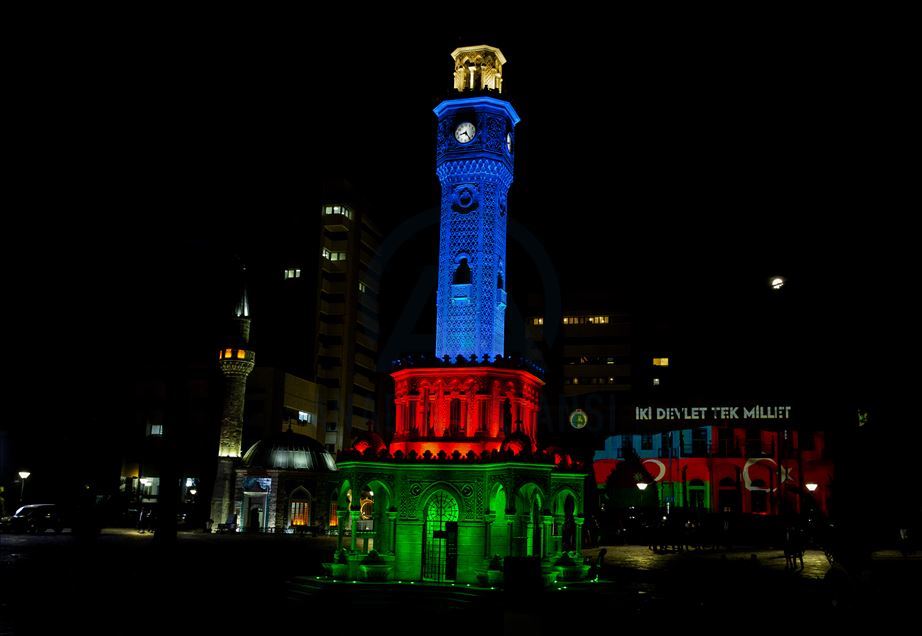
(443, 520)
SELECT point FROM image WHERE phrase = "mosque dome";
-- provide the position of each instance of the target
(290, 451)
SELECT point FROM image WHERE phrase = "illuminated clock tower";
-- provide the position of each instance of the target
(474, 164)
(463, 482)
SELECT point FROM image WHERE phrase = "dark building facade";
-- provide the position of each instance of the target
(348, 278)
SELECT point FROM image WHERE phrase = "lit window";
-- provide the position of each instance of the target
(537, 321)
(292, 273)
(337, 209)
(156, 429)
(300, 513)
(609, 360)
(655, 381)
(660, 362)
(333, 256)
(363, 287)
(228, 353)
(241, 354)
(304, 416)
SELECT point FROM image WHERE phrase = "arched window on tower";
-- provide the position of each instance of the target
(455, 416)
(462, 274)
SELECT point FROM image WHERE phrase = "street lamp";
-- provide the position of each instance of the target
(812, 487)
(776, 282)
(642, 485)
(23, 476)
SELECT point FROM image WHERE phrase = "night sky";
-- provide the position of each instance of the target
(145, 165)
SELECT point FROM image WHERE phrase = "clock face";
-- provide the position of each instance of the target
(509, 142)
(465, 132)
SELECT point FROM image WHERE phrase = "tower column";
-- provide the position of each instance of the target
(546, 535)
(488, 520)
(580, 520)
(343, 517)
(354, 514)
(392, 520)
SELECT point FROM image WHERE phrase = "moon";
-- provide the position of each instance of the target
(747, 480)
(662, 468)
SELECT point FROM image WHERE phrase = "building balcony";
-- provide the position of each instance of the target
(368, 321)
(368, 300)
(502, 362)
(363, 402)
(330, 352)
(333, 266)
(331, 330)
(365, 341)
(329, 374)
(335, 309)
(370, 263)
(363, 382)
(365, 362)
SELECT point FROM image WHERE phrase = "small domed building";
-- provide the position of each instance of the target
(283, 484)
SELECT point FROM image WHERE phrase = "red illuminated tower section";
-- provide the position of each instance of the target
(466, 408)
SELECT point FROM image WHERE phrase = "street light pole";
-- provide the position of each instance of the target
(23, 476)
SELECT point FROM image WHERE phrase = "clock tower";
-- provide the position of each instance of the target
(462, 482)
(474, 163)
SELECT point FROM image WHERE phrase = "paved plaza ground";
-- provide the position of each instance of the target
(124, 583)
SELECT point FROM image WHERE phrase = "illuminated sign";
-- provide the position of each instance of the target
(579, 419)
(702, 413)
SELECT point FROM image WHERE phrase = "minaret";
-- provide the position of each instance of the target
(236, 360)
(474, 163)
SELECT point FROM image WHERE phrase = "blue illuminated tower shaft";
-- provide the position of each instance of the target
(475, 173)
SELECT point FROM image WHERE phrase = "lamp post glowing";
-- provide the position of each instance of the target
(23, 476)
(776, 282)
(812, 487)
(641, 486)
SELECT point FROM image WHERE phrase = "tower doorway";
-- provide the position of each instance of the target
(440, 538)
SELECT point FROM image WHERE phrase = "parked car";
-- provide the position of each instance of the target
(37, 518)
